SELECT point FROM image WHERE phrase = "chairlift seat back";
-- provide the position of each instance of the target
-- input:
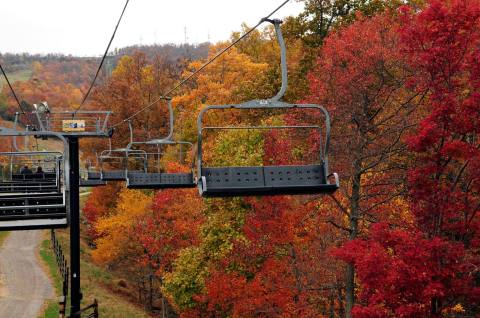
(34, 176)
(30, 187)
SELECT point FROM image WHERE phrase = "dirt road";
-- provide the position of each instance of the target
(24, 286)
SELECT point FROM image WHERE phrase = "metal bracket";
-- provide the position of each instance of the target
(158, 140)
(283, 58)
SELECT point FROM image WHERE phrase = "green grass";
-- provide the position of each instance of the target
(96, 282)
(48, 258)
(22, 75)
(51, 310)
(3, 236)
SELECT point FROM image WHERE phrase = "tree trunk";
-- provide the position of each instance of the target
(150, 298)
(331, 313)
(349, 290)
(354, 216)
(341, 308)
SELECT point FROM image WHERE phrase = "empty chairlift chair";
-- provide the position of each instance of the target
(31, 200)
(91, 177)
(266, 180)
(161, 180)
(149, 179)
(114, 163)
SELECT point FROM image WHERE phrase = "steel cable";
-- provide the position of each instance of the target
(181, 83)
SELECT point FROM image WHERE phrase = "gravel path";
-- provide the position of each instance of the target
(24, 286)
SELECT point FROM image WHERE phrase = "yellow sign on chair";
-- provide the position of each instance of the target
(73, 125)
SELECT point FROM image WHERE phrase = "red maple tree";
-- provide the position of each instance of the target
(429, 269)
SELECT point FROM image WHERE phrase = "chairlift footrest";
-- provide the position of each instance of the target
(92, 183)
(270, 180)
(91, 175)
(116, 175)
(32, 211)
(160, 180)
(33, 224)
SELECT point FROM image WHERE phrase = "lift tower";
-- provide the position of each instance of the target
(74, 125)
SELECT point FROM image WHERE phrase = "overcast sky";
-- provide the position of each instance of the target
(83, 27)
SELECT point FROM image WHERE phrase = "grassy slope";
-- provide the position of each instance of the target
(96, 284)
(22, 75)
(3, 236)
(48, 257)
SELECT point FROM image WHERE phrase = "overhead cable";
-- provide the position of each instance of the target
(11, 89)
(102, 61)
(181, 83)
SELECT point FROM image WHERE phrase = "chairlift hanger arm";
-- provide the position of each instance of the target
(170, 129)
(283, 59)
(171, 118)
(15, 123)
(131, 134)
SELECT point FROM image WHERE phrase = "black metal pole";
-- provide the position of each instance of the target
(75, 293)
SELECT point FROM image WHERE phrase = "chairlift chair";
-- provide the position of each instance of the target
(119, 158)
(161, 180)
(266, 180)
(46, 181)
(90, 178)
(35, 201)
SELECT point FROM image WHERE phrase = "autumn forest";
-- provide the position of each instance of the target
(399, 238)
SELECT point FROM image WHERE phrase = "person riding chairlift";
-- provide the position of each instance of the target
(25, 170)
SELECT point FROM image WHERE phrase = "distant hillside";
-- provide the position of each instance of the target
(19, 66)
(19, 62)
(61, 79)
(20, 75)
(171, 52)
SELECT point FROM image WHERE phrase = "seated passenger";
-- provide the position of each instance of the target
(26, 170)
(39, 170)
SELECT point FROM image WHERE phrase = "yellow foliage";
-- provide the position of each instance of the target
(217, 85)
(115, 229)
(458, 308)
